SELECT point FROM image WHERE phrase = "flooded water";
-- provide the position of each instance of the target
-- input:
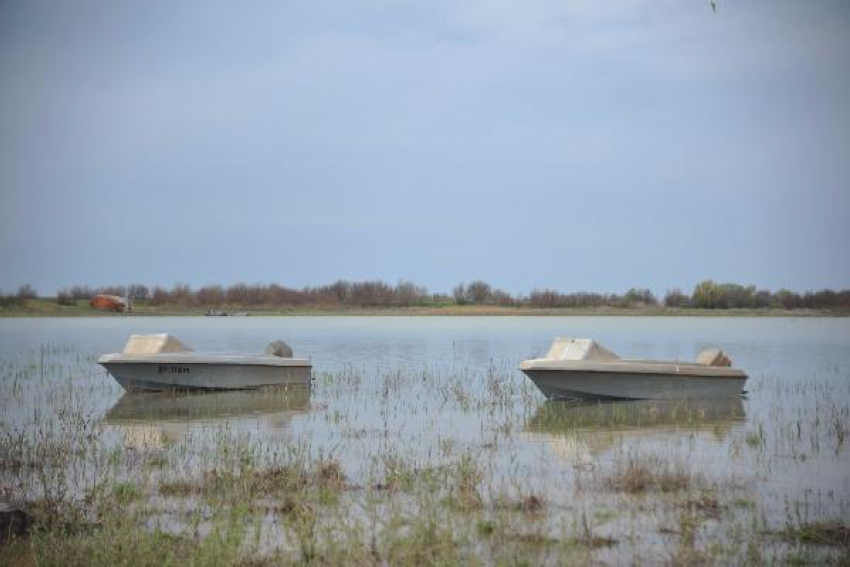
(419, 393)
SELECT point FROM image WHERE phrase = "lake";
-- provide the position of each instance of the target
(429, 417)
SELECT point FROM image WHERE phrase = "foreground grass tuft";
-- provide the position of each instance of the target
(649, 473)
(833, 532)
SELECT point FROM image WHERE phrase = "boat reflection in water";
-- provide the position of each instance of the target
(580, 429)
(157, 419)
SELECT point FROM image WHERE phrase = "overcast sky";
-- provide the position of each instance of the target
(530, 143)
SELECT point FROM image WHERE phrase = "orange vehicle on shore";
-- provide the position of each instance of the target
(109, 303)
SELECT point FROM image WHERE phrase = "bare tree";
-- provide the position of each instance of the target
(65, 297)
(138, 292)
(82, 292)
(27, 292)
(459, 294)
(640, 296)
(210, 295)
(479, 292)
(675, 298)
(407, 294)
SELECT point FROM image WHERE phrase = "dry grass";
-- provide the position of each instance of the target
(530, 504)
(649, 473)
(176, 488)
(705, 504)
(527, 538)
(834, 532)
(466, 478)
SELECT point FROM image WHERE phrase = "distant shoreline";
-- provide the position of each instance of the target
(49, 308)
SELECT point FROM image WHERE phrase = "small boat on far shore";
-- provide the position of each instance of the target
(222, 313)
(583, 369)
(161, 362)
(109, 303)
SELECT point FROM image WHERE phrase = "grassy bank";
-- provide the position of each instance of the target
(48, 307)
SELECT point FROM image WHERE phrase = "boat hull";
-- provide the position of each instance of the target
(602, 385)
(157, 377)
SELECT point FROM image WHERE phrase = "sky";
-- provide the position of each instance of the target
(574, 145)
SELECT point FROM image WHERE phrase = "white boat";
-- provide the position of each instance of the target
(161, 362)
(583, 369)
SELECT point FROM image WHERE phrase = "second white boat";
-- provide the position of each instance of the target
(583, 369)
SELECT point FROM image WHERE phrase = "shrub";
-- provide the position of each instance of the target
(65, 297)
(675, 298)
(26, 292)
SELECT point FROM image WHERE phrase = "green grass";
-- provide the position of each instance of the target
(126, 493)
(121, 542)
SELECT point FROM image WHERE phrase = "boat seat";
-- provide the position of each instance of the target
(154, 344)
(579, 349)
(279, 348)
(714, 357)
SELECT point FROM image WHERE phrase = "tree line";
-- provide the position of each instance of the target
(705, 295)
